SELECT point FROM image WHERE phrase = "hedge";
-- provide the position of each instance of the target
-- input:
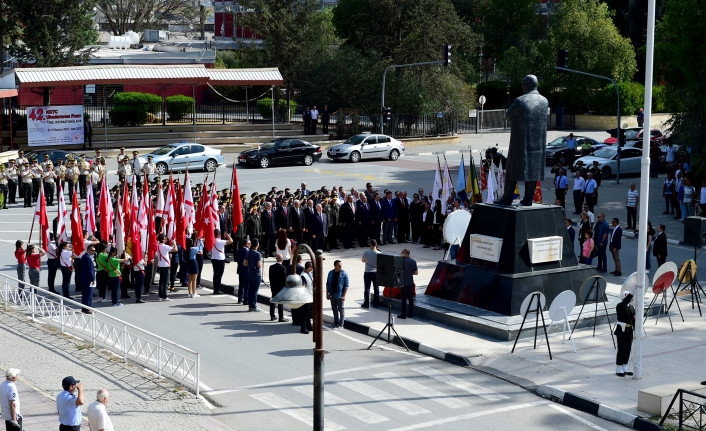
(133, 108)
(179, 106)
(264, 107)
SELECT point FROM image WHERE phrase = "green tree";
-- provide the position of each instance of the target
(682, 57)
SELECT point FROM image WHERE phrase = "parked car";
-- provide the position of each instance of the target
(635, 133)
(607, 159)
(558, 152)
(54, 155)
(366, 146)
(281, 151)
(177, 157)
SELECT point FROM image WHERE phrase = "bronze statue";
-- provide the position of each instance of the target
(528, 142)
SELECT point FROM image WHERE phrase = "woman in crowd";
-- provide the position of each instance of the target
(199, 256)
(587, 247)
(34, 260)
(138, 278)
(192, 267)
(66, 261)
(21, 257)
(113, 265)
(650, 236)
(439, 218)
(584, 225)
(284, 247)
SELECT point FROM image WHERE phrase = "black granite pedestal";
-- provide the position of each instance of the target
(502, 286)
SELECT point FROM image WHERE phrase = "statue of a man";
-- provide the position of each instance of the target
(528, 142)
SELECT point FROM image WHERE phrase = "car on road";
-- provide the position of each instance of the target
(366, 146)
(635, 133)
(54, 155)
(281, 151)
(558, 152)
(607, 159)
(178, 157)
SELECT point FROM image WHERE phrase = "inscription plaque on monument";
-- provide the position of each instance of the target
(547, 249)
(486, 247)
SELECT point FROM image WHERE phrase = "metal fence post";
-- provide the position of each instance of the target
(159, 359)
(681, 409)
(93, 329)
(125, 343)
(61, 311)
(31, 298)
(7, 293)
(223, 112)
(198, 374)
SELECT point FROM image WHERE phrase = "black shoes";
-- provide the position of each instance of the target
(303, 331)
(401, 316)
(139, 301)
(282, 319)
(365, 306)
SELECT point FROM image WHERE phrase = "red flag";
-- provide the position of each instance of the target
(188, 203)
(76, 228)
(201, 210)
(89, 214)
(169, 212)
(40, 215)
(105, 208)
(180, 226)
(126, 210)
(537, 198)
(210, 219)
(237, 216)
(151, 232)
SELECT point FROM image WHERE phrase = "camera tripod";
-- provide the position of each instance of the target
(390, 326)
(693, 285)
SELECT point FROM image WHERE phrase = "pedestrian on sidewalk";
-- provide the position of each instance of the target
(631, 206)
(616, 239)
(561, 187)
(587, 247)
(21, 257)
(138, 279)
(66, 260)
(655, 156)
(314, 120)
(192, 267)
(325, 119)
(336, 289)
(69, 404)
(283, 246)
(164, 251)
(590, 191)
(600, 239)
(572, 233)
(98, 419)
(254, 263)
(10, 401)
(667, 191)
(242, 270)
(306, 118)
(218, 259)
(409, 270)
(579, 185)
(625, 313)
(650, 241)
(687, 207)
(88, 278)
(304, 312)
(370, 276)
(278, 278)
(659, 250)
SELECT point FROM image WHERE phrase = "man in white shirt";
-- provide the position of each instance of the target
(218, 259)
(164, 263)
(590, 215)
(314, 119)
(579, 185)
(98, 419)
(10, 400)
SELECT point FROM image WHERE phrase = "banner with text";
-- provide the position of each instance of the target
(55, 125)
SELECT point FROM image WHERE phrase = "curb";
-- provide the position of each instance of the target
(603, 411)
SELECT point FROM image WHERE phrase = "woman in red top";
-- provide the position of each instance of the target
(34, 259)
(21, 261)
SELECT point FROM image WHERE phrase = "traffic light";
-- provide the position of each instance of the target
(447, 55)
(386, 114)
(621, 138)
(562, 59)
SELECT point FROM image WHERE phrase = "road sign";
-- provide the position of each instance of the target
(472, 113)
(481, 100)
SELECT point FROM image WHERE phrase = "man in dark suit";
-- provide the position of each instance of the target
(364, 220)
(616, 241)
(222, 220)
(571, 231)
(240, 257)
(377, 215)
(369, 192)
(659, 250)
(416, 208)
(297, 221)
(269, 230)
(278, 277)
(309, 212)
(427, 225)
(389, 210)
(348, 222)
(318, 229)
(282, 220)
(88, 278)
(402, 217)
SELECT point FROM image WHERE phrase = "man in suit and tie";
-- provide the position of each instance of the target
(269, 230)
(616, 240)
(364, 220)
(427, 225)
(402, 217)
(571, 231)
(377, 215)
(389, 210)
(369, 192)
(278, 277)
(348, 222)
(297, 221)
(282, 220)
(659, 249)
(222, 220)
(318, 229)
(309, 213)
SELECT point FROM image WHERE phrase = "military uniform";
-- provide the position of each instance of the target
(26, 174)
(136, 167)
(253, 226)
(82, 176)
(49, 183)
(122, 156)
(37, 175)
(124, 172)
(334, 220)
(149, 168)
(60, 171)
(71, 176)
(3, 187)
(12, 175)
(625, 314)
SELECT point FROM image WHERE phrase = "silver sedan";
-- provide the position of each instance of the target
(178, 157)
(367, 146)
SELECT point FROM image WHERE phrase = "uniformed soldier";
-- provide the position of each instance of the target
(334, 220)
(95, 179)
(136, 167)
(43, 163)
(3, 187)
(11, 173)
(26, 174)
(97, 157)
(100, 167)
(49, 183)
(239, 235)
(625, 314)
(20, 162)
(149, 168)
(60, 171)
(83, 171)
(253, 226)
(71, 174)
(122, 156)
(124, 170)
(37, 175)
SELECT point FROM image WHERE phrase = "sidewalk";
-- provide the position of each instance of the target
(668, 357)
(138, 399)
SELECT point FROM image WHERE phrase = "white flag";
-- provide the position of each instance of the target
(61, 226)
(189, 213)
(437, 188)
(447, 187)
(490, 197)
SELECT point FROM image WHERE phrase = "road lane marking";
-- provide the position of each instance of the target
(578, 418)
(343, 406)
(423, 391)
(376, 394)
(310, 376)
(291, 409)
(426, 425)
(339, 333)
(469, 387)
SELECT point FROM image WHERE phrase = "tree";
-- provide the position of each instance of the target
(681, 56)
(9, 29)
(139, 15)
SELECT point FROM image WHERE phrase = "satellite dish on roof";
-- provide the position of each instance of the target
(455, 226)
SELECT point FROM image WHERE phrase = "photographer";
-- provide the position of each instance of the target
(370, 258)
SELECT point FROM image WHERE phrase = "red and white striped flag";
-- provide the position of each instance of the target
(89, 213)
(210, 218)
(169, 211)
(189, 213)
(40, 215)
(61, 225)
(76, 227)
(119, 229)
(159, 209)
(105, 208)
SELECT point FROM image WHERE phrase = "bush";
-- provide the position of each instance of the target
(632, 98)
(494, 92)
(179, 106)
(264, 107)
(134, 108)
(660, 102)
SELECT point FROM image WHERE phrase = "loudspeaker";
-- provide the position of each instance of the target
(694, 228)
(390, 272)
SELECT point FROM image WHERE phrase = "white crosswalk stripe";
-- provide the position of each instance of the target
(423, 391)
(291, 409)
(344, 406)
(460, 384)
(379, 395)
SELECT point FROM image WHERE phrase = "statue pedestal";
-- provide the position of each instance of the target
(501, 286)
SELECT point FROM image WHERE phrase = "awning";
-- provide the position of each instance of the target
(264, 76)
(111, 74)
(8, 93)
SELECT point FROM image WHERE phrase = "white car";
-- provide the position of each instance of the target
(367, 146)
(607, 159)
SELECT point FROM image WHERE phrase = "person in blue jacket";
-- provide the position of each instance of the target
(336, 289)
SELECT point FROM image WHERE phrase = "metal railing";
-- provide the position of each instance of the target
(691, 412)
(162, 356)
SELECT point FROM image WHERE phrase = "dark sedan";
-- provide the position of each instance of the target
(54, 155)
(281, 151)
(558, 152)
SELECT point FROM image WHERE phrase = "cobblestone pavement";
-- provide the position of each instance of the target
(138, 401)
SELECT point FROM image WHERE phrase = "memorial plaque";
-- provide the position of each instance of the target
(547, 249)
(486, 247)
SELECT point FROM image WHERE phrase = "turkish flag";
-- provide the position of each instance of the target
(201, 211)
(210, 218)
(76, 228)
(179, 216)
(537, 198)
(151, 232)
(40, 215)
(237, 216)
(105, 208)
